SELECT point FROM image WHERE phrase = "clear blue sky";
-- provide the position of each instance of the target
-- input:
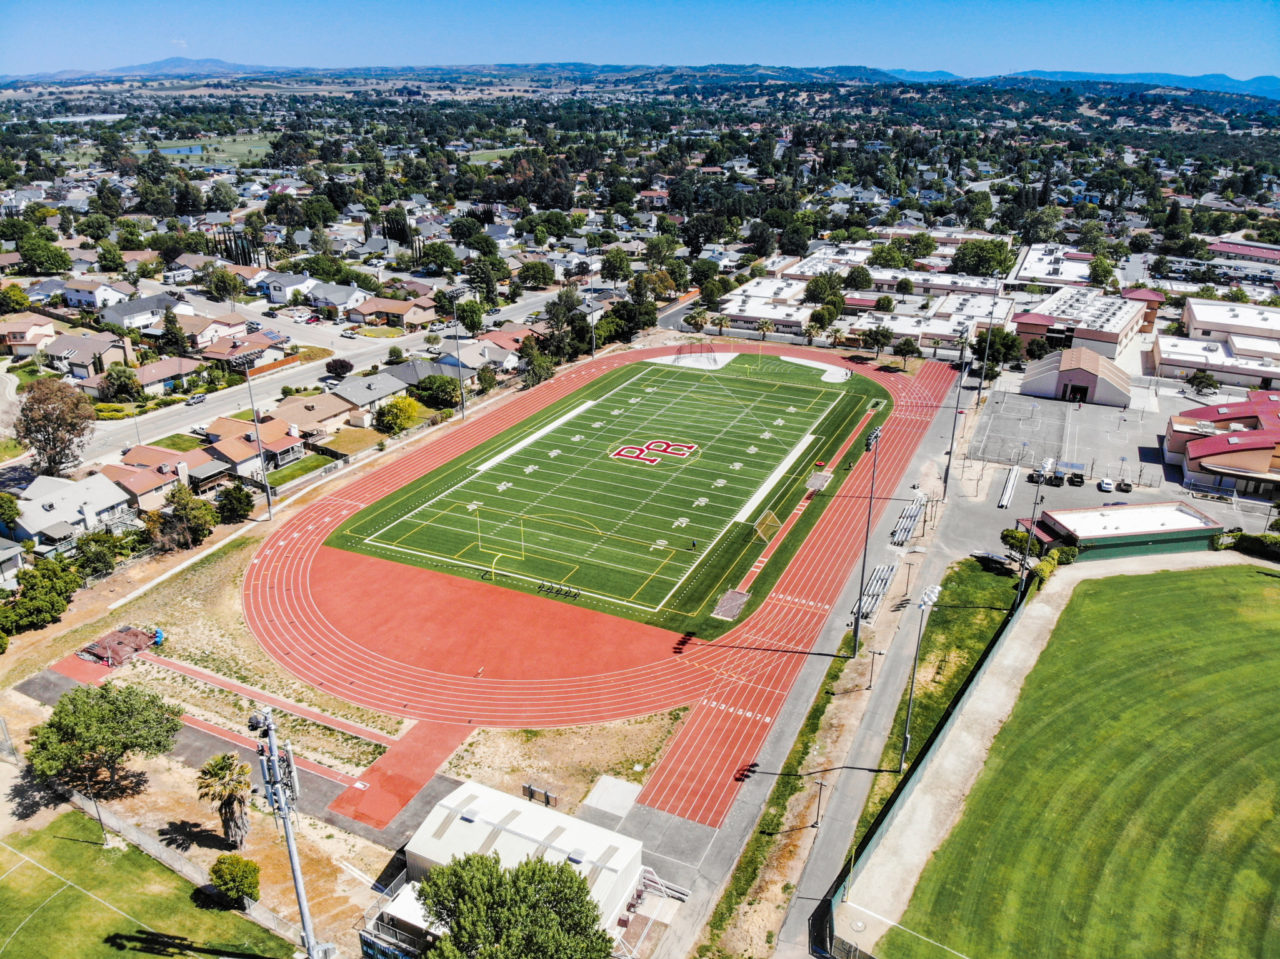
(1237, 37)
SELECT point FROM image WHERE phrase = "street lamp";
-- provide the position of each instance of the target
(872, 447)
(874, 653)
(818, 818)
(927, 599)
(1031, 532)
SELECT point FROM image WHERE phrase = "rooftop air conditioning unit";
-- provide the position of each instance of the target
(1238, 428)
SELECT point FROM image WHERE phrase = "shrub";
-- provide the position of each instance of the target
(235, 877)
(1067, 555)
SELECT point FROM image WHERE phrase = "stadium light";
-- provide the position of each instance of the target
(872, 447)
(1031, 531)
(927, 599)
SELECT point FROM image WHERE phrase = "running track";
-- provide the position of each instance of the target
(457, 652)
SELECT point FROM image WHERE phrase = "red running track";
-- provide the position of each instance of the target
(452, 650)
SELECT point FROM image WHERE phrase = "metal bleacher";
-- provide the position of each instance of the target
(876, 588)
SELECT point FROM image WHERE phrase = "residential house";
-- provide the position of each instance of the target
(479, 354)
(42, 292)
(201, 331)
(370, 392)
(381, 311)
(11, 560)
(280, 287)
(314, 415)
(245, 352)
(92, 295)
(146, 474)
(335, 296)
(164, 375)
(508, 337)
(144, 312)
(234, 442)
(415, 371)
(85, 354)
(25, 334)
(54, 512)
(83, 261)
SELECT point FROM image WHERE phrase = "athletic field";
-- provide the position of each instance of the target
(1128, 807)
(643, 491)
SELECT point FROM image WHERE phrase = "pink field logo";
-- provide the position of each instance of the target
(644, 454)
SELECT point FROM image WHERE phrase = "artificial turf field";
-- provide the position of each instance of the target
(639, 493)
(1128, 806)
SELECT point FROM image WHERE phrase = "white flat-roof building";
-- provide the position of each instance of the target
(979, 310)
(1219, 320)
(935, 284)
(928, 331)
(1054, 264)
(775, 299)
(1238, 360)
(830, 259)
(1083, 316)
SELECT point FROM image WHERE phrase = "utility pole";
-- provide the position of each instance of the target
(817, 820)
(927, 599)
(986, 352)
(1031, 532)
(280, 781)
(872, 447)
(257, 436)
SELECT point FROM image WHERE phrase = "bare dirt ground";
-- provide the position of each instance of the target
(566, 762)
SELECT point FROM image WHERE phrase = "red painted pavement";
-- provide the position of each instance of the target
(455, 651)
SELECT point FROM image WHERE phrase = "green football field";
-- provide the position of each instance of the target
(638, 493)
(1128, 807)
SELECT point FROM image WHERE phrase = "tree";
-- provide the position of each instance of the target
(1100, 271)
(395, 355)
(224, 781)
(877, 337)
(235, 504)
(173, 341)
(822, 287)
(109, 258)
(696, 319)
(539, 367)
(222, 284)
(396, 416)
(96, 226)
(56, 421)
(1140, 242)
(464, 228)
(858, 278)
(13, 300)
(1005, 347)
(906, 348)
(1202, 381)
(235, 877)
(222, 197)
(616, 266)
(438, 257)
(537, 908)
(41, 258)
(795, 239)
(95, 729)
(1038, 349)
(9, 510)
(982, 258)
(471, 315)
(338, 366)
(904, 287)
(762, 238)
(120, 384)
(703, 271)
(537, 274)
(188, 521)
(515, 289)
(884, 304)
(765, 327)
(559, 316)
(440, 392)
(486, 379)
(1040, 226)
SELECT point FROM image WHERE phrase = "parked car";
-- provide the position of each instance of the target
(253, 326)
(312, 320)
(270, 313)
(1036, 476)
(1105, 485)
(196, 399)
(349, 334)
(494, 312)
(1076, 479)
(1124, 486)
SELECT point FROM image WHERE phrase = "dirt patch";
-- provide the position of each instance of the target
(329, 747)
(566, 762)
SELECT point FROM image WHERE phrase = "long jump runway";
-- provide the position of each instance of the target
(459, 653)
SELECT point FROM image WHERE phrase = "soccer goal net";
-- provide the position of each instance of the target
(767, 525)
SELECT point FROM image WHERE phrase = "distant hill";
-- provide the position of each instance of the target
(1264, 86)
(926, 76)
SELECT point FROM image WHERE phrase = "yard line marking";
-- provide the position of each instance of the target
(534, 437)
(774, 478)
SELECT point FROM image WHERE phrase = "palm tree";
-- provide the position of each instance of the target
(765, 328)
(224, 781)
(837, 337)
(811, 330)
(721, 321)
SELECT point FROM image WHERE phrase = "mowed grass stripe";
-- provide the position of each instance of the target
(1128, 807)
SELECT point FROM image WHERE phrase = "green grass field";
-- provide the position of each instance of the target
(72, 897)
(548, 502)
(179, 442)
(1128, 807)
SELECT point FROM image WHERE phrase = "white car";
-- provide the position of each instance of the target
(1105, 485)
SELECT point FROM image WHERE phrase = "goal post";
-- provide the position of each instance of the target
(767, 525)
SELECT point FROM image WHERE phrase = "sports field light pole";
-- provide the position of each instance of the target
(280, 780)
(873, 445)
(927, 599)
(986, 351)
